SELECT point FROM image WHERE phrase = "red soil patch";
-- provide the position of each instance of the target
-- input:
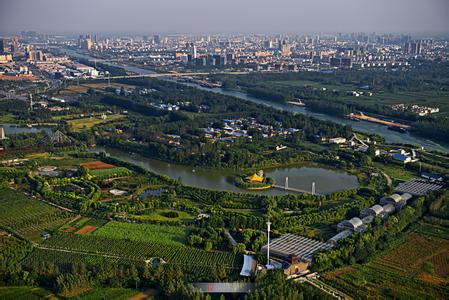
(96, 165)
(70, 229)
(426, 277)
(86, 229)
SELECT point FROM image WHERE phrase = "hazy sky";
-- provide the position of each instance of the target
(225, 16)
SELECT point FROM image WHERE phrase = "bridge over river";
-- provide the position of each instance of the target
(285, 187)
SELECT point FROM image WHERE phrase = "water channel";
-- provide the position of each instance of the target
(362, 126)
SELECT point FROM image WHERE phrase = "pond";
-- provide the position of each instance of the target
(327, 181)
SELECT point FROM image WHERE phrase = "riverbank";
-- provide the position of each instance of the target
(361, 126)
(362, 116)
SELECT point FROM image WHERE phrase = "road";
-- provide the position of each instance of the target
(327, 289)
(156, 75)
(233, 242)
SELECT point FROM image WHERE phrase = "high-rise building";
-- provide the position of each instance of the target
(193, 51)
(15, 45)
(285, 48)
(157, 39)
(40, 56)
(2, 133)
(3, 46)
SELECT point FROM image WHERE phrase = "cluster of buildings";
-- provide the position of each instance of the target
(387, 206)
(241, 128)
(417, 109)
(259, 52)
(294, 254)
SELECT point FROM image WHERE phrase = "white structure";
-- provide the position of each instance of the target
(249, 265)
(341, 235)
(2, 133)
(354, 224)
(375, 211)
(268, 244)
(337, 140)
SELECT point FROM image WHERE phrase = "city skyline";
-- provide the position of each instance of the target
(286, 17)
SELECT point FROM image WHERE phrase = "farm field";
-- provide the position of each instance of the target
(96, 165)
(169, 235)
(110, 172)
(29, 217)
(87, 229)
(418, 268)
(129, 249)
(161, 215)
(64, 260)
(107, 293)
(87, 123)
(24, 292)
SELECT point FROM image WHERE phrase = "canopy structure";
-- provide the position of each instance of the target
(248, 265)
(254, 178)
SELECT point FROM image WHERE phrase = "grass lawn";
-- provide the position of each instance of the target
(24, 292)
(169, 235)
(246, 211)
(87, 123)
(107, 293)
(7, 118)
(396, 172)
(160, 215)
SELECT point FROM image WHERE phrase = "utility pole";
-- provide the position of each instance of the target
(31, 102)
(313, 188)
(286, 183)
(268, 245)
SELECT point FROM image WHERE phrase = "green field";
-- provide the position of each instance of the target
(29, 217)
(168, 235)
(24, 292)
(110, 173)
(87, 123)
(161, 215)
(107, 293)
(128, 249)
(65, 260)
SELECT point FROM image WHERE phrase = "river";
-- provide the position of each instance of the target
(362, 126)
(326, 181)
(14, 129)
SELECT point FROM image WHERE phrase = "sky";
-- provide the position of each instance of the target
(225, 16)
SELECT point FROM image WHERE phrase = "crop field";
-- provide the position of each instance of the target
(169, 235)
(419, 248)
(128, 249)
(24, 292)
(161, 215)
(87, 123)
(29, 217)
(108, 293)
(87, 229)
(416, 268)
(65, 259)
(110, 173)
(96, 165)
